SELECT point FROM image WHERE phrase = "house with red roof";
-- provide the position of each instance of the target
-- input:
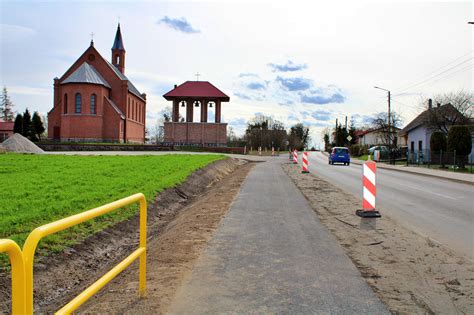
(6, 129)
(199, 96)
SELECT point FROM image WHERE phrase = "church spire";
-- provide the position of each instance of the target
(118, 42)
(118, 51)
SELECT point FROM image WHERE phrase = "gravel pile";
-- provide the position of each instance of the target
(19, 144)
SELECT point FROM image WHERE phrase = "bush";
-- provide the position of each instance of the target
(459, 140)
(438, 141)
(358, 149)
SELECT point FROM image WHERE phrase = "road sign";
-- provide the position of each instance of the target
(349, 138)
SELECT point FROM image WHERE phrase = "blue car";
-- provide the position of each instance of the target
(339, 155)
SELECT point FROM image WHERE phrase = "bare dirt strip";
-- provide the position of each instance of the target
(410, 273)
(180, 222)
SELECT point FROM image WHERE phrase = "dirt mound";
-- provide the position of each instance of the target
(19, 144)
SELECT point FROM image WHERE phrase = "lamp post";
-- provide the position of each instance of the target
(388, 121)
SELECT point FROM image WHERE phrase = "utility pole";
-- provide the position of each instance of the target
(389, 125)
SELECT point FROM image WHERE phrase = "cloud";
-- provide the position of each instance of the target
(256, 86)
(295, 84)
(238, 122)
(290, 66)
(318, 99)
(362, 119)
(242, 96)
(27, 90)
(179, 24)
(11, 32)
(248, 74)
(321, 115)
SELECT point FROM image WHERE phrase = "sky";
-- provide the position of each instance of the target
(296, 61)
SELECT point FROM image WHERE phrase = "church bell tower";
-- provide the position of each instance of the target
(118, 51)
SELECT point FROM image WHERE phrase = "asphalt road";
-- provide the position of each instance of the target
(440, 209)
(272, 255)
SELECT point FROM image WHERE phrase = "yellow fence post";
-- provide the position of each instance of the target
(143, 220)
(29, 249)
(18, 274)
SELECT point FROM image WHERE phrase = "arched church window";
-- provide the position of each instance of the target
(65, 103)
(93, 104)
(78, 103)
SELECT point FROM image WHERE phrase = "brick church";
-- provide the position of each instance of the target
(95, 102)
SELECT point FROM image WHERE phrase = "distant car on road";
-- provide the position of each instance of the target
(339, 155)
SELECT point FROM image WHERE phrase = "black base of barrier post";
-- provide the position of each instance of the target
(368, 214)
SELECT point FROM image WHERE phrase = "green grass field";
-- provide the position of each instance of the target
(38, 189)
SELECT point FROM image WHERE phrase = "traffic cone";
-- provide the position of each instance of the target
(368, 191)
(295, 157)
(305, 163)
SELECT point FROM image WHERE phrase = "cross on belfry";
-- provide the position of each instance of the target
(197, 76)
(92, 36)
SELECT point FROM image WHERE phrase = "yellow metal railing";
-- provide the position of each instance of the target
(22, 261)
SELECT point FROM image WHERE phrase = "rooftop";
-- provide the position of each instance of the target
(197, 89)
(86, 74)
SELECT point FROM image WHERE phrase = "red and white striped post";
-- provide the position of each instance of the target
(369, 191)
(273, 151)
(305, 163)
(295, 157)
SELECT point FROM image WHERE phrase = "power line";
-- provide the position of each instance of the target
(434, 76)
(437, 69)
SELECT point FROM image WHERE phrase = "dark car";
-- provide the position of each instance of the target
(339, 155)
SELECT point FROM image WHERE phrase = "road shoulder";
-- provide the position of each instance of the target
(409, 273)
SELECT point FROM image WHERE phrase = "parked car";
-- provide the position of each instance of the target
(380, 148)
(339, 155)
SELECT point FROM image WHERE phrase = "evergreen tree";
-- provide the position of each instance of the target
(18, 125)
(37, 127)
(27, 124)
(6, 106)
(352, 133)
(438, 141)
(459, 140)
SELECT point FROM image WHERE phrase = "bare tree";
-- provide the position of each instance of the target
(453, 108)
(266, 132)
(388, 135)
(158, 132)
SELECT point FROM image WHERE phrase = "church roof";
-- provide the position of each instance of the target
(196, 89)
(86, 74)
(118, 42)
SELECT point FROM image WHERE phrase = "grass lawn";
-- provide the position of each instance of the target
(38, 189)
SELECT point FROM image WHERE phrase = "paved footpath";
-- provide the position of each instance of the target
(271, 254)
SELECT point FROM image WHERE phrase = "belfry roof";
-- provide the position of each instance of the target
(197, 89)
(86, 74)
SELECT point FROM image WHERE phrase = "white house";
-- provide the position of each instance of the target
(372, 137)
(418, 132)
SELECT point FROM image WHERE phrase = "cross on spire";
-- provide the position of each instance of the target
(197, 76)
(92, 38)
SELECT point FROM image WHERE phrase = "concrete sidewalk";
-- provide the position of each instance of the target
(271, 254)
(457, 177)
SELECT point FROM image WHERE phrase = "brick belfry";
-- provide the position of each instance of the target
(196, 95)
